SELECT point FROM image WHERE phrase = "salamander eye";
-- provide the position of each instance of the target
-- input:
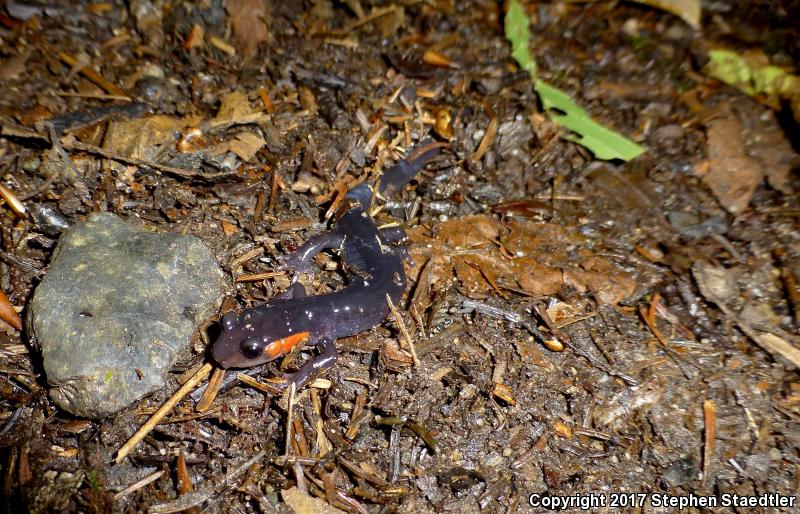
(252, 348)
(229, 319)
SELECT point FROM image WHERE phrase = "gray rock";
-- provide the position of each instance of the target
(116, 306)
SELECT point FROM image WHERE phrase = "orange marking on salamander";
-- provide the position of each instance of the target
(283, 346)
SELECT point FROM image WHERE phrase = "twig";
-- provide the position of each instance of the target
(261, 386)
(375, 14)
(162, 412)
(403, 330)
(710, 419)
(57, 149)
(138, 485)
(93, 76)
(189, 500)
(95, 96)
(488, 136)
(24, 132)
(181, 172)
(289, 425)
(648, 315)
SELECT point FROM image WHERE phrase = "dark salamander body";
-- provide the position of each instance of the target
(374, 269)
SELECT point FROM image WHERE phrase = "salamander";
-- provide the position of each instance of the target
(374, 269)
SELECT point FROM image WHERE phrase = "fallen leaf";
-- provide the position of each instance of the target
(249, 24)
(733, 176)
(246, 144)
(536, 278)
(14, 66)
(487, 256)
(608, 288)
(687, 10)
(235, 109)
(142, 138)
(752, 73)
(775, 152)
(601, 141)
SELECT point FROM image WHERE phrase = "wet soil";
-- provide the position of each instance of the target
(654, 300)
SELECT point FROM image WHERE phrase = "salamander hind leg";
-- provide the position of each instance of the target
(300, 260)
(396, 236)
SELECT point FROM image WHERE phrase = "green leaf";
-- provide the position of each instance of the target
(731, 68)
(517, 31)
(753, 75)
(601, 141)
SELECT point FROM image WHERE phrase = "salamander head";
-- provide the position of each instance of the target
(249, 339)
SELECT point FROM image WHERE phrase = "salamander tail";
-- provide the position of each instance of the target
(396, 177)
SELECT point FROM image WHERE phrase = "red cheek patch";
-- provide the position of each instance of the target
(283, 346)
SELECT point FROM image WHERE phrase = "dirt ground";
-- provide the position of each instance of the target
(666, 287)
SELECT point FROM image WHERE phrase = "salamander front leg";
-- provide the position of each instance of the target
(300, 260)
(326, 358)
(393, 234)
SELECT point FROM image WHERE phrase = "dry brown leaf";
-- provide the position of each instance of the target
(469, 231)
(687, 10)
(774, 151)
(487, 257)
(142, 138)
(249, 23)
(13, 67)
(608, 288)
(246, 144)
(234, 105)
(733, 176)
(536, 278)
(548, 242)
(235, 109)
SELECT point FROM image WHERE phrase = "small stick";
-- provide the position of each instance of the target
(181, 172)
(261, 386)
(487, 139)
(258, 277)
(289, 424)
(710, 419)
(93, 76)
(162, 412)
(403, 330)
(138, 485)
(663, 341)
(94, 96)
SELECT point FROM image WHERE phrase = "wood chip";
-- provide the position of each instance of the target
(222, 45)
(504, 393)
(13, 202)
(210, 394)
(563, 430)
(8, 313)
